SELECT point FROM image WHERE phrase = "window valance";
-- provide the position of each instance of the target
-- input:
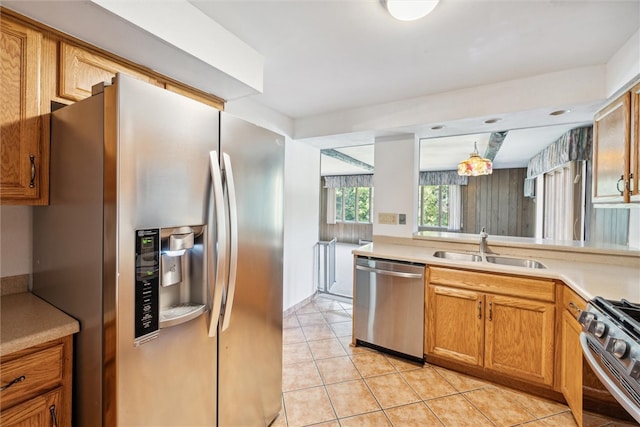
(338, 181)
(442, 178)
(573, 145)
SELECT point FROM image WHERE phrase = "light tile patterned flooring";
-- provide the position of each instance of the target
(328, 383)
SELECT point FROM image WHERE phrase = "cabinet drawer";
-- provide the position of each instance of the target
(525, 287)
(42, 370)
(572, 302)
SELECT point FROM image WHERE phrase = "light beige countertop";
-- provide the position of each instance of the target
(612, 274)
(26, 320)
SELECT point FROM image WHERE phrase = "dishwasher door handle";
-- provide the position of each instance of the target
(390, 273)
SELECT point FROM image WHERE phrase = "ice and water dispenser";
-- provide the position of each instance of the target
(171, 283)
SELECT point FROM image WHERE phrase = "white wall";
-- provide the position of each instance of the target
(301, 221)
(624, 65)
(395, 181)
(15, 240)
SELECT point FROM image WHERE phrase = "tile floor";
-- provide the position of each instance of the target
(328, 383)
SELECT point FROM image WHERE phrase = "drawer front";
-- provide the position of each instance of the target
(572, 302)
(33, 374)
(524, 287)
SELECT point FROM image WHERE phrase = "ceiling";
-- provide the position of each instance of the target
(323, 58)
(328, 56)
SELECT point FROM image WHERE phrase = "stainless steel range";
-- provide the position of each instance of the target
(611, 344)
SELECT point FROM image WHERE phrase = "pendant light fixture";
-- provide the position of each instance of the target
(410, 10)
(475, 165)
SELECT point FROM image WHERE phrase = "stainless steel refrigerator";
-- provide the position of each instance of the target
(164, 239)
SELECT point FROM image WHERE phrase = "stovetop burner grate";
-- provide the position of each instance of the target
(626, 314)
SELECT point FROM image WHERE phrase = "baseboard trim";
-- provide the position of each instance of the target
(289, 311)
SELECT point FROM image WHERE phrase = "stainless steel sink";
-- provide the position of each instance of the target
(457, 256)
(515, 262)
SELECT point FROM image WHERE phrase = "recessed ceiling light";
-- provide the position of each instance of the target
(410, 10)
(559, 112)
(438, 127)
(489, 121)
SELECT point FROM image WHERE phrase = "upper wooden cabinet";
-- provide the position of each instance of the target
(24, 157)
(81, 68)
(40, 65)
(616, 151)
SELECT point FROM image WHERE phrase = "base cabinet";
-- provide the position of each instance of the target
(571, 365)
(37, 385)
(507, 334)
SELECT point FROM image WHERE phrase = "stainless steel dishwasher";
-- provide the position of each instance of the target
(389, 306)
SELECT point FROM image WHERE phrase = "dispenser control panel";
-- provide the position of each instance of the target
(147, 283)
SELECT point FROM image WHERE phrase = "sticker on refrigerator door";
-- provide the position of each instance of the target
(147, 283)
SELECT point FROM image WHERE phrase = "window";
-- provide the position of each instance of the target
(440, 207)
(434, 206)
(353, 204)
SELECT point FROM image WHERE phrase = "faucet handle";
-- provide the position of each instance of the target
(483, 233)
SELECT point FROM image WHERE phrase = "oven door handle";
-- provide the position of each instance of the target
(618, 394)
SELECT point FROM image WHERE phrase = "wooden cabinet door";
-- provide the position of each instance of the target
(41, 411)
(634, 150)
(519, 336)
(20, 158)
(81, 69)
(454, 325)
(611, 151)
(571, 365)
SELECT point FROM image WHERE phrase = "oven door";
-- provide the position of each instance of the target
(613, 379)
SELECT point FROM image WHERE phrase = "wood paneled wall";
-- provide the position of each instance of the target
(343, 232)
(609, 225)
(497, 203)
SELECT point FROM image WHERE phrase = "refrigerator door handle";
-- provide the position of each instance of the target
(216, 287)
(233, 225)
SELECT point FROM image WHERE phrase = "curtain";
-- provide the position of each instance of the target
(331, 205)
(338, 181)
(573, 145)
(455, 208)
(558, 203)
(442, 178)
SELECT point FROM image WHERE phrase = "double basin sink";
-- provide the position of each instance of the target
(493, 259)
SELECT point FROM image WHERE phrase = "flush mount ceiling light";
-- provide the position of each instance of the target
(410, 10)
(475, 165)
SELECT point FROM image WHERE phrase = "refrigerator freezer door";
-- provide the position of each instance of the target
(163, 144)
(250, 349)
